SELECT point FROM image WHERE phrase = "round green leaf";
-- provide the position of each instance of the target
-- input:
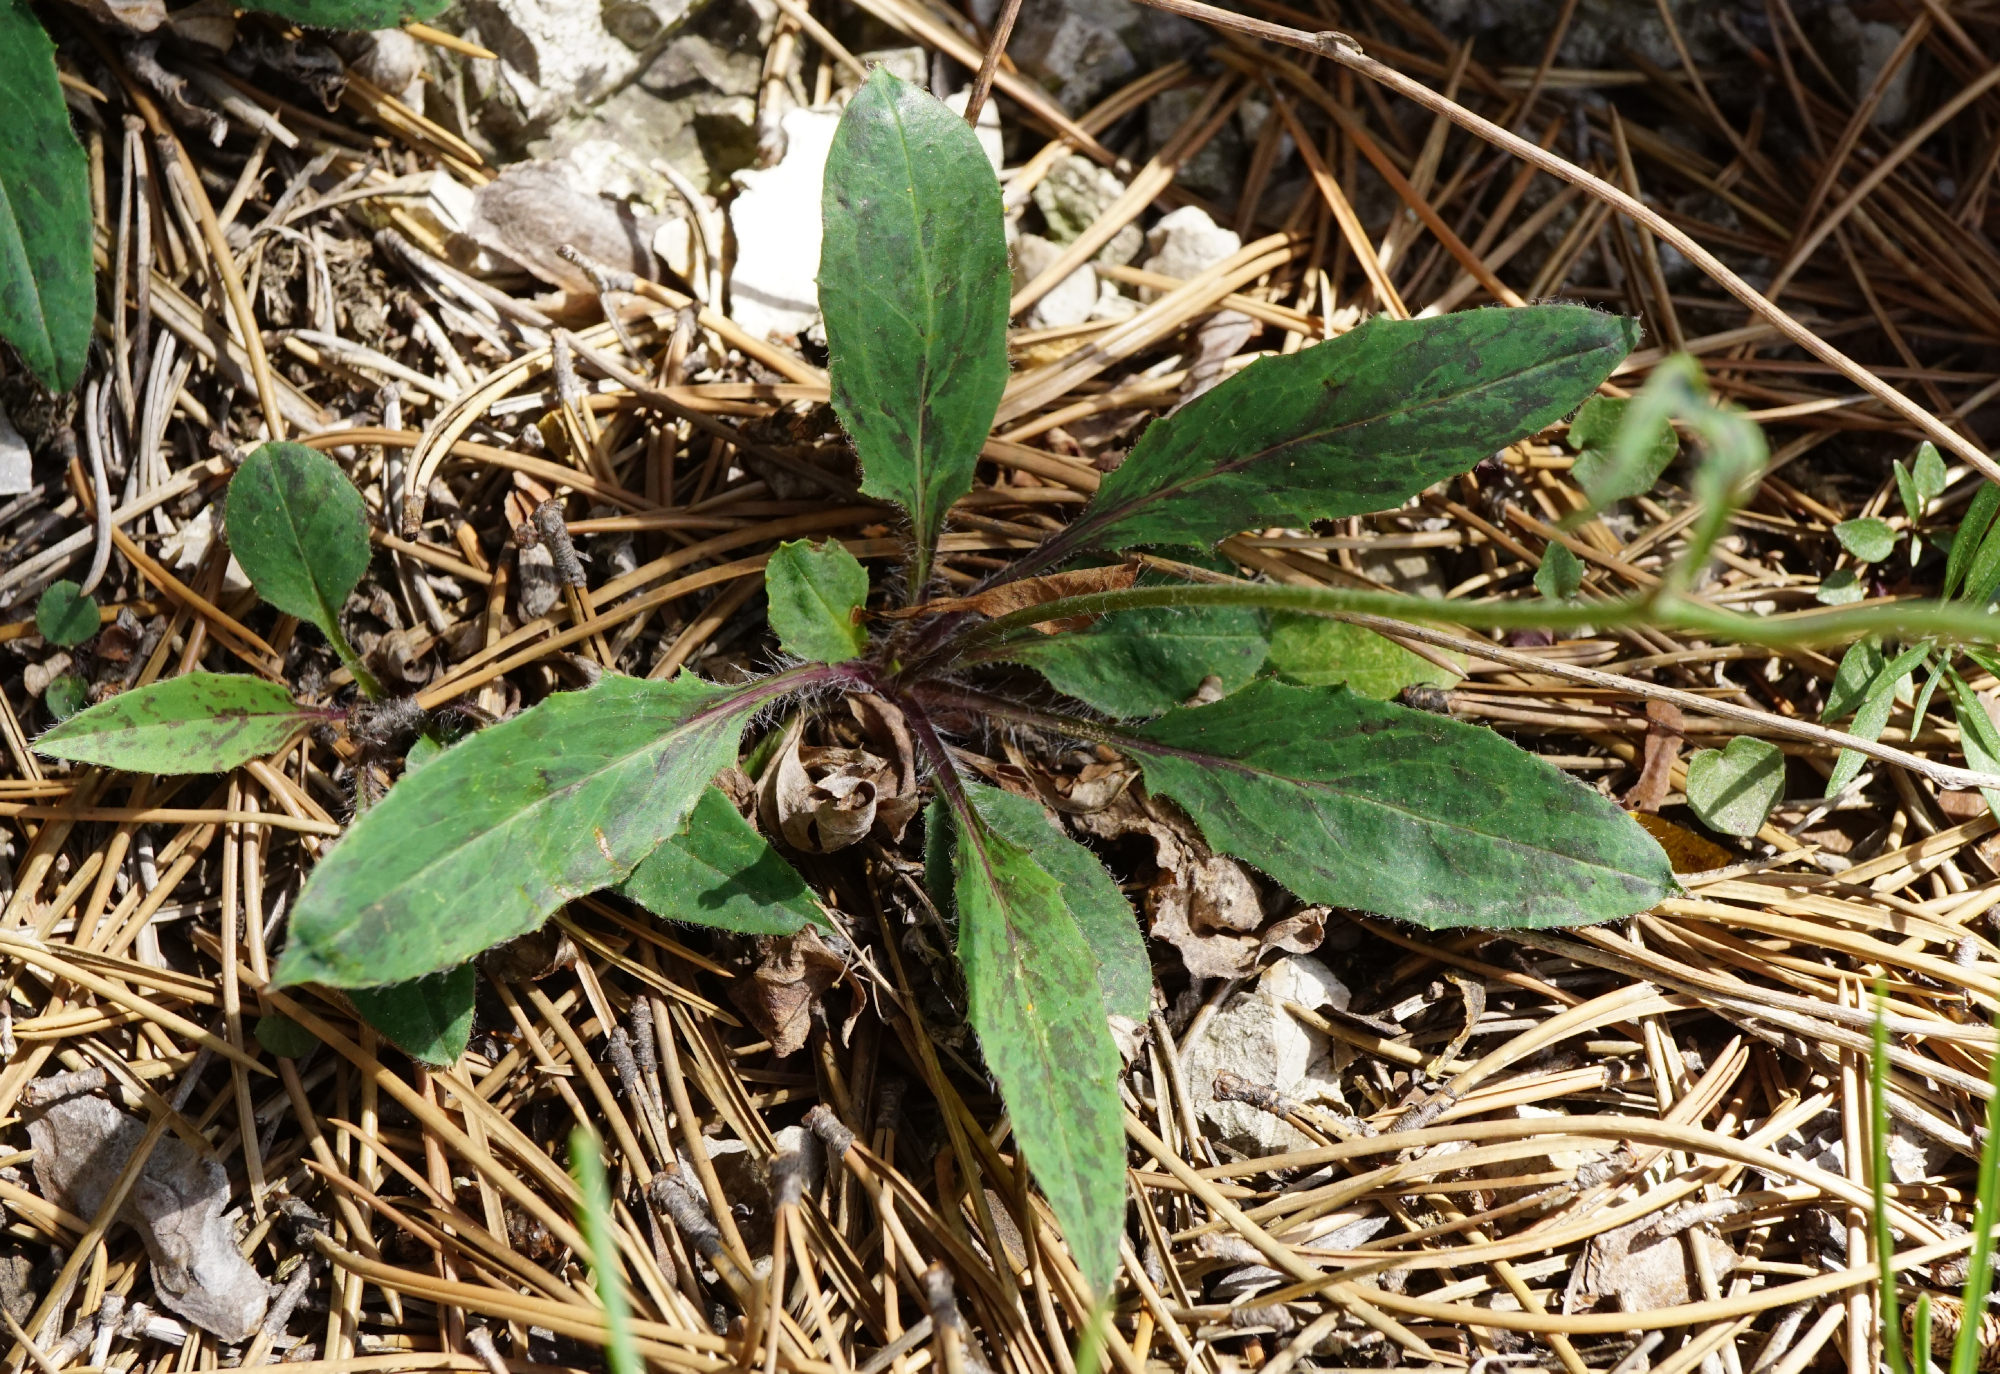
(815, 593)
(1734, 788)
(65, 615)
(66, 696)
(1840, 588)
(1561, 574)
(1868, 539)
(47, 295)
(300, 531)
(284, 1037)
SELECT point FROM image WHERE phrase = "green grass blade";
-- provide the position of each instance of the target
(1878, 1180)
(1979, 1275)
(586, 1164)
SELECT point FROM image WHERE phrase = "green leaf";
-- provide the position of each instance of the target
(913, 283)
(1878, 702)
(586, 1163)
(1868, 539)
(65, 616)
(1859, 667)
(196, 723)
(1593, 434)
(1906, 487)
(1316, 651)
(1982, 576)
(1734, 788)
(1929, 477)
(1561, 575)
(66, 695)
(286, 1038)
(1105, 919)
(1140, 663)
(351, 14)
(1357, 424)
(720, 872)
(429, 1019)
(1971, 533)
(1033, 996)
(1977, 736)
(47, 280)
(300, 531)
(1840, 588)
(815, 594)
(487, 839)
(1358, 803)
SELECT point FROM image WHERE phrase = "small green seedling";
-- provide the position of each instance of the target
(66, 615)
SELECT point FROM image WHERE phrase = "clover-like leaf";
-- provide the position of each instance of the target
(1734, 788)
(47, 295)
(65, 615)
(195, 723)
(1561, 575)
(816, 594)
(1317, 651)
(299, 530)
(720, 872)
(1594, 434)
(1868, 539)
(1357, 424)
(1034, 998)
(489, 837)
(1358, 803)
(429, 1019)
(913, 284)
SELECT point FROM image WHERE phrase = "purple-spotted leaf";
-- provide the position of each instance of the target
(913, 283)
(1359, 803)
(489, 837)
(196, 723)
(1360, 423)
(1035, 999)
(46, 293)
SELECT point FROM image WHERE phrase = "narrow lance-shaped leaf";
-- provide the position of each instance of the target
(1110, 929)
(300, 531)
(1971, 533)
(720, 872)
(487, 839)
(196, 723)
(1359, 803)
(1360, 423)
(1977, 734)
(1033, 997)
(429, 1019)
(815, 595)
(1872, 714)
(913, 283)
(46, 293)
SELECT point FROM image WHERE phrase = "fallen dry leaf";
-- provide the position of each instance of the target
(1036, 591)
(1665, 733)
(792, 973)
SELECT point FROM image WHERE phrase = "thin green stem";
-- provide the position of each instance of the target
(1878, 1180)
(1965, 1353)
(587, 1165)
(1904, 621)
(329, 625)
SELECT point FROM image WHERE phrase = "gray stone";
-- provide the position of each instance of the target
(1080, 50)
(553, 55)
(1216, 170)
(1072, 197)
(1070, 301)
(773, 291)
(1858, 49)
(1187, 243)
(1255, 1037)
(16, 460)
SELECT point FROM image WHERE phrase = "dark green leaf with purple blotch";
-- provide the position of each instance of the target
(1360, 423)
(1035, 999)
(351, 14)
(1359, 803)
(195, 723)
(913, 283)
(487, 839)
(47, 295)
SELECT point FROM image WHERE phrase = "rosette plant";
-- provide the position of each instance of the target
(1341, 799)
